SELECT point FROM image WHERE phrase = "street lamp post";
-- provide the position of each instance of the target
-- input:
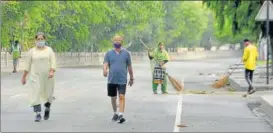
(268, 44)
(265, 15)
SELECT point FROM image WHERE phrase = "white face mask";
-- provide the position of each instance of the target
(40, 44)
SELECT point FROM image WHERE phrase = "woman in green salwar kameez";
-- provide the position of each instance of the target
(159, 58)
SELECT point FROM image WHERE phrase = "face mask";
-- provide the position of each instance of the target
(40, 43)
(117, 45)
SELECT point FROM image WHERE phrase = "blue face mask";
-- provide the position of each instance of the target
(117, 45)
(40, 43)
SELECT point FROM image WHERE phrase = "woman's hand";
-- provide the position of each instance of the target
(161, 64)
(51, 74)
(23, 80)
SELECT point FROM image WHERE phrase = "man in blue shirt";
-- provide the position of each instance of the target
(118, 61)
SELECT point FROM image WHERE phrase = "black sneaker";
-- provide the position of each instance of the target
(47, 113)
(115, 117)
(252, 91)
(38, 118)
(120, 119)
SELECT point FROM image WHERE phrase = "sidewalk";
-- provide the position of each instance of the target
(264, 91)
(238, 82)
(8, 71)
(267, 104)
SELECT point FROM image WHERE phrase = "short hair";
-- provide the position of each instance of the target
(16, 42)
(40, 33)
(246, 40)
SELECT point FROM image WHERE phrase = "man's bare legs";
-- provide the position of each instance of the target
(15, 63)
(114, 103)
(121, 103)
(118, 115)
(121, 108)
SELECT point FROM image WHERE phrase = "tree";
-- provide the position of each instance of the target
(79, 25)
(239, 16)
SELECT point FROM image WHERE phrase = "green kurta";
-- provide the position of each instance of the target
(160, 56)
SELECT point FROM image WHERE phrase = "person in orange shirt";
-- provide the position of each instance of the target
(249, 58)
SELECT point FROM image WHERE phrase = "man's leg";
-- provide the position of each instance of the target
(114, 103)
(251, 75)
(112, 92)
(15, 63)
(122, 92)
(249, 82)
(251, 79)
(247, 77)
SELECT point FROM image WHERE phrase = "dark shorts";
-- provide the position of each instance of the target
(113, 89)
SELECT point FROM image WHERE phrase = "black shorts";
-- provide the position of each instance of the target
(114, 88)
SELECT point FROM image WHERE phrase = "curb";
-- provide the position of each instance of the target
(267, 105)
(239, 87)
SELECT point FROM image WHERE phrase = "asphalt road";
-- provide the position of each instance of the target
(82, 104)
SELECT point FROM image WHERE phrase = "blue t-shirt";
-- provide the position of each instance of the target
(118, 66)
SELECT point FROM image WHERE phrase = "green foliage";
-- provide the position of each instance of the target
(90, 25)
(235, 20)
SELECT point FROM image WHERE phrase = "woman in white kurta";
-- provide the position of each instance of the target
(39, 76)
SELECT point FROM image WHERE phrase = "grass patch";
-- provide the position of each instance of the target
(263, 62)
(231, 89)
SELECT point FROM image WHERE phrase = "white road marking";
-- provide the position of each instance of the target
(178, 112)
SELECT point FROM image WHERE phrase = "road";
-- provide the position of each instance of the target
(82, 104)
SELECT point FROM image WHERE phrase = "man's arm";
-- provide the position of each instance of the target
(105, 65)
(245, 55)
(105, 68)
(130, 68)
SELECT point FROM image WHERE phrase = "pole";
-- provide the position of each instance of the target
(1, 23)
(268, 45)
